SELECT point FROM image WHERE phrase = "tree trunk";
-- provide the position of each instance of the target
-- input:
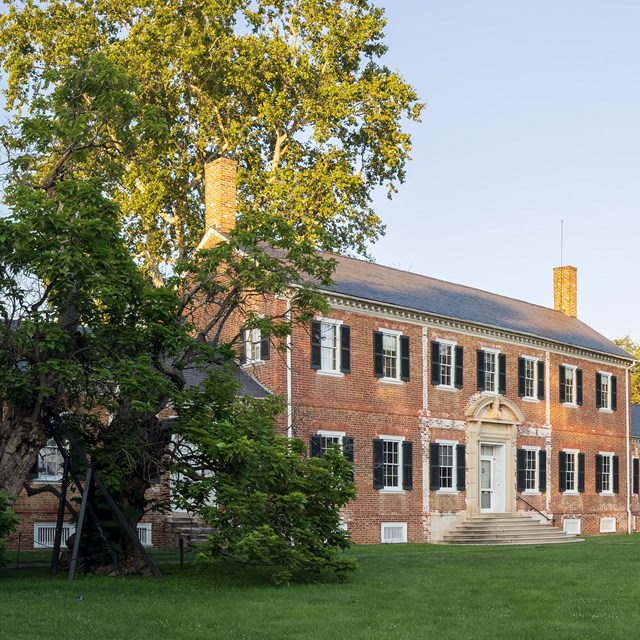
(20, 443)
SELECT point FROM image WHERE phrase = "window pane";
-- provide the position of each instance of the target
(390, 356)
(391, 463)
(490, 378)
(530, 378)
(446, 466)
(329, 346)
(530, 459)
(446, 362)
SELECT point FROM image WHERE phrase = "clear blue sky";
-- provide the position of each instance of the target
(532, 117)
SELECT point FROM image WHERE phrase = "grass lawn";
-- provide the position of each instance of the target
(585, 590)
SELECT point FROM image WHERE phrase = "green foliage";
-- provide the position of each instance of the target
(8, 521)
(293, 89)
(265, 500)
(632, 347)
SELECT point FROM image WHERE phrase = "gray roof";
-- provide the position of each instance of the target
(194, 376)
(635, 420)
(411, 291)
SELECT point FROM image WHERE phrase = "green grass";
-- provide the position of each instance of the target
(586, 590)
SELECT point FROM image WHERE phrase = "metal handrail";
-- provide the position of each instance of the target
(546, 517)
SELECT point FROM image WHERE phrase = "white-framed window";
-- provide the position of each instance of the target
(392, 463)
(606, 391)
(447, 466)
(252, 345)
(144, 531)
(531, 470)
(570, 385)
(446, 364)
(393, 532)
(530, 378)
(391, 355)
(571, 463)
(492, 371)
(50, 463)
(607, 469)
(330, 439)
(330, 346)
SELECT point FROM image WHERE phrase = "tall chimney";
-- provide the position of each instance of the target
(565, 290)
(220, 184)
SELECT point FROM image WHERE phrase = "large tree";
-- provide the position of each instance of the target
(114, 109)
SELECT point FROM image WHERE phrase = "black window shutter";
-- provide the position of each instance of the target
(345, 349)
(598, 390)
(562, 472)
(33, 472)
(407, 465)
(579, 387)
(598, 473)
(502, 374)
(459, 367)
(347, 448)
(480, 369)
(581, 472)
(316, 446)
(404, 358)
(521, 362)
(434, 465)
(435, 362)
(614, 393)
(461, 464)
(378, 465)
(636, 476)
(616, 474)
(378, 359)
(316, 344)
(243, 346)
(563, 381)
(264, 349)
(542, 471)
(540, 380)
(520, 458)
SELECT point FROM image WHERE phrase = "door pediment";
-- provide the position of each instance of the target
(494, 409)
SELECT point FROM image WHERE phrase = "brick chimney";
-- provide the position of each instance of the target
(565, 290)
(220, 184)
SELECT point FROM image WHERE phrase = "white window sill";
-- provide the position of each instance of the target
(447, 492)
(330, 374)
(489, 393)
(573, 492)
(570, 405)
(392, 490)
(251, 363)
(446, 387)
(605, 410)
(607, 494)
(531, 492)
(391, 381)
(530, 399)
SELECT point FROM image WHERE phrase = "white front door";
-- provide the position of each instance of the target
(491, 478)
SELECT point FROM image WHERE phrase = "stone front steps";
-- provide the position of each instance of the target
(504, 529)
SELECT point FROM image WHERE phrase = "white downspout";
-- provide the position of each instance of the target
(628, 418)
(289, 376)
